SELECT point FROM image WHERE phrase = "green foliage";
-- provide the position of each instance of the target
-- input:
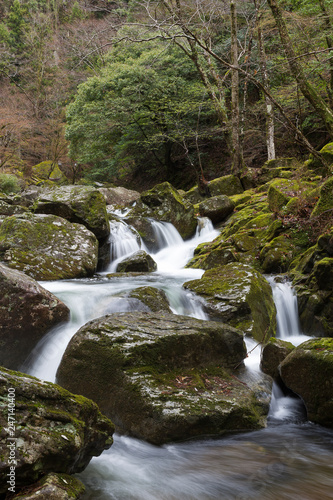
(144, 104)
(9, 184)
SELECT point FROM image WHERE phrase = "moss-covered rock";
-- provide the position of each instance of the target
(227, 185)
(53, 487)
(48, 170)
(314, 164)
(162, 377)
(80, 204)
(277, 198)
(240, 296)
(308, 371)
(325, 202)
(27, 312)
(9, 209)
(47, 247)
(53, 430)
(164, 203)
(138, 262)
(217, 208)
(155, 299)
(272, 354)
(277, 255)
(323, 273)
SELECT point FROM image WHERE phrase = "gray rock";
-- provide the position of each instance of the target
(162, 377)
(217, 208)
(27, 312)
(138, 262)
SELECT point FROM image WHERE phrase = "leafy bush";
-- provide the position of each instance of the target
(9, 184)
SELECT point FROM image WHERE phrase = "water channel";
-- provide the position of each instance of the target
(290, 459)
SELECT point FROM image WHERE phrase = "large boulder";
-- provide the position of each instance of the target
(80, 204)
(138, 262)
(240, 296)
(164, 203)
(47, 247)
(27, 312)
(44, 428)
(228, 185)
(308, 371)
(217, 208)
(162, 377)
(325, 203)
(119, 196)
(272, 354)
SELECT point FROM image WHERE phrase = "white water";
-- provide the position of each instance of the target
(288, 461)
(283, 406)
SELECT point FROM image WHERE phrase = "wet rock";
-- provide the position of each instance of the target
(53, 487)
(155, 299)
(80, 204)
(54, 431)
(47, 247)
(240, 296)
(164, 203)
(325, 202)
(217, 208)
(272, 354)
(162, 377)
(308, 371)
(145, 229)
(27, 312)
(138, 262)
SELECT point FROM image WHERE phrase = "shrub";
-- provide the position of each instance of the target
(9, 184)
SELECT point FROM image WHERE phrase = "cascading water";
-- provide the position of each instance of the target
(288, 461)
(285, 407)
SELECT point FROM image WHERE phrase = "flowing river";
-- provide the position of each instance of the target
(290, 459)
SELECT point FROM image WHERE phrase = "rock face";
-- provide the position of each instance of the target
(308, 371)
(140, 262)
(80, 204)
(27, 312)
(54, 431)
(47, 247)
(164, 203)
(240, 296)
(162, 377)
(217, 208)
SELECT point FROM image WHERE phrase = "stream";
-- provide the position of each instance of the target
(290, 459)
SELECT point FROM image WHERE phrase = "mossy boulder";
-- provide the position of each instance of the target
(162, 377)
(272, 354)
(164, 203)
(145, 228)
(277, 197)
(47, 247)
(323, 273)
(308, 371)
(216, 208)
(27, 312)
(277, 255)
(207, 256)
(10, 209)
(138, 262)
(228, 185)
(48, 170)
(325, 202)
(53, 431)
(53, 487)
(240, 296)
(80, 204)
(155, 299)
(314, 164)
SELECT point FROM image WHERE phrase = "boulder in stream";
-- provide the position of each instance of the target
(240, 296)
(47, 247)
(308, 371)
(53, 487)
(163, 377)
(27, 312)
(51, 430)
(217, 208)
(138, 262)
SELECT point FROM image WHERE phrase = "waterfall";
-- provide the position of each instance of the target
(286, 407)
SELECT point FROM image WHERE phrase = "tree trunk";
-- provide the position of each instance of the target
(269, 108)
(237, 163)
(329, 42)
(309, 92)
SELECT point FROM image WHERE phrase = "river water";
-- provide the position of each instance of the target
(290, 459)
